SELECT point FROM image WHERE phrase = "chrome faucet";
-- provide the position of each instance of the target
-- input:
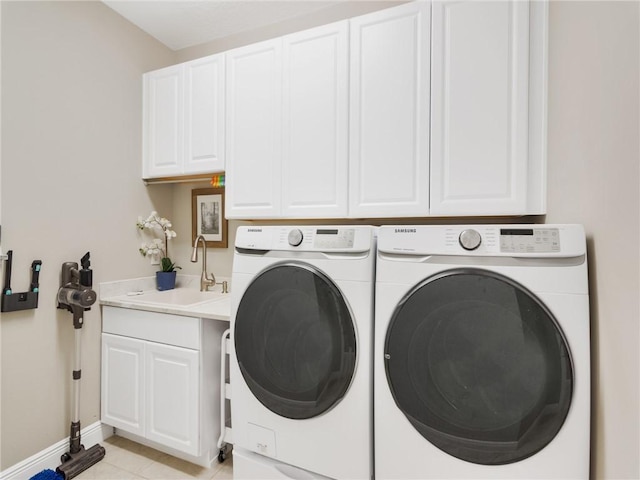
(206, 281)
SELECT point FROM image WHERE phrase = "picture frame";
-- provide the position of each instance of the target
(207, 216)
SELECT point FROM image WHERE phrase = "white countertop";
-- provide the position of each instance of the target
(185, 299)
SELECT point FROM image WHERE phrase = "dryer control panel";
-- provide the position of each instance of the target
(484, 240)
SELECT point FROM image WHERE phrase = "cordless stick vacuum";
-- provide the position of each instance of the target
(75, 294)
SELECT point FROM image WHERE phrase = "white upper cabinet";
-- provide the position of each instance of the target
(480, 108)
(287, 124)
(423, 109)
(204, 115)
(163, 122)
(254, 130)
(183, 119)
(315, 146)
(389, 131)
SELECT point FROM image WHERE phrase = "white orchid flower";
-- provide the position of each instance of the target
(157, 247)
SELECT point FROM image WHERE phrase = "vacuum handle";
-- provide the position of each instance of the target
(86, 274)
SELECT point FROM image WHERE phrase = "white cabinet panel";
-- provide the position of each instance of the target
(183, 119)
(204, 115)
(254, 105)
(123, 383)
(163, 122)
(389, 156)
(172, 378)
(479, 124)
(315, 122)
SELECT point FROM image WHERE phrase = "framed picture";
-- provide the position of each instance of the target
(207, 216)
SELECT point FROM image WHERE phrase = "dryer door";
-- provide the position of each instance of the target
(479, 366)
(295, 341)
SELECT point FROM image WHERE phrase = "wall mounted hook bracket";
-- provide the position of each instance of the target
(14, 301)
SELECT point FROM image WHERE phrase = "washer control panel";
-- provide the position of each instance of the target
(330, 238)
(302, 238)
(529, 240)
(322, 238)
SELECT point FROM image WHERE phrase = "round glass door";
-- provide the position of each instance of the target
(479, 366)
(295, 341)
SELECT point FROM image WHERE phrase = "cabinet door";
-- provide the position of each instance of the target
(389, 115)
(479, 123)
(122, 383)
(254, 142)
(204, 115)
(172, 407)
(315, 122)
(163, 122)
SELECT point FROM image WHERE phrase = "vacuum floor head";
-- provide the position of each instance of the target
(73, 464)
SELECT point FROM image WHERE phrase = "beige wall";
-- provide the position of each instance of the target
(71, 146)
(594, 179)
(58, 79)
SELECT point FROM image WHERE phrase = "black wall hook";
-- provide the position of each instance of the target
(12, 301)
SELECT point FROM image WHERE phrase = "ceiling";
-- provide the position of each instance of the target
(183, 23)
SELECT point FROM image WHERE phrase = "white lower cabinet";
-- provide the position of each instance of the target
(123, 382)
(172, 386)
(161, 381)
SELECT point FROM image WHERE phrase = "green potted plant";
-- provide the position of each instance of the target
(159, 248)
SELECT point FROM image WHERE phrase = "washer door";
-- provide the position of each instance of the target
(479, 366)
(295, 341)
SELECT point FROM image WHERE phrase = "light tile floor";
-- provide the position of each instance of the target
(126, 460)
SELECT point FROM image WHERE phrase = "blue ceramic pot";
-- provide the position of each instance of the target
(166, 280)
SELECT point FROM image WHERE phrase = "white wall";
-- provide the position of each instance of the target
(594, 179)
(71, 148)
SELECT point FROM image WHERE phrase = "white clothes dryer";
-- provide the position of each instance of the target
(482, 353)
(302, 336)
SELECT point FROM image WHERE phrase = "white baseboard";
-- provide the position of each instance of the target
(49, 458)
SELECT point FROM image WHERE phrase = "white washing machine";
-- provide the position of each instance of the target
(482, 353)
(302, 336)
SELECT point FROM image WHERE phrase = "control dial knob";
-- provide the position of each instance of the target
(295, 237)
(470, 239)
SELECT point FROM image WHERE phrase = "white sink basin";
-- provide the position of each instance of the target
(184, 297)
